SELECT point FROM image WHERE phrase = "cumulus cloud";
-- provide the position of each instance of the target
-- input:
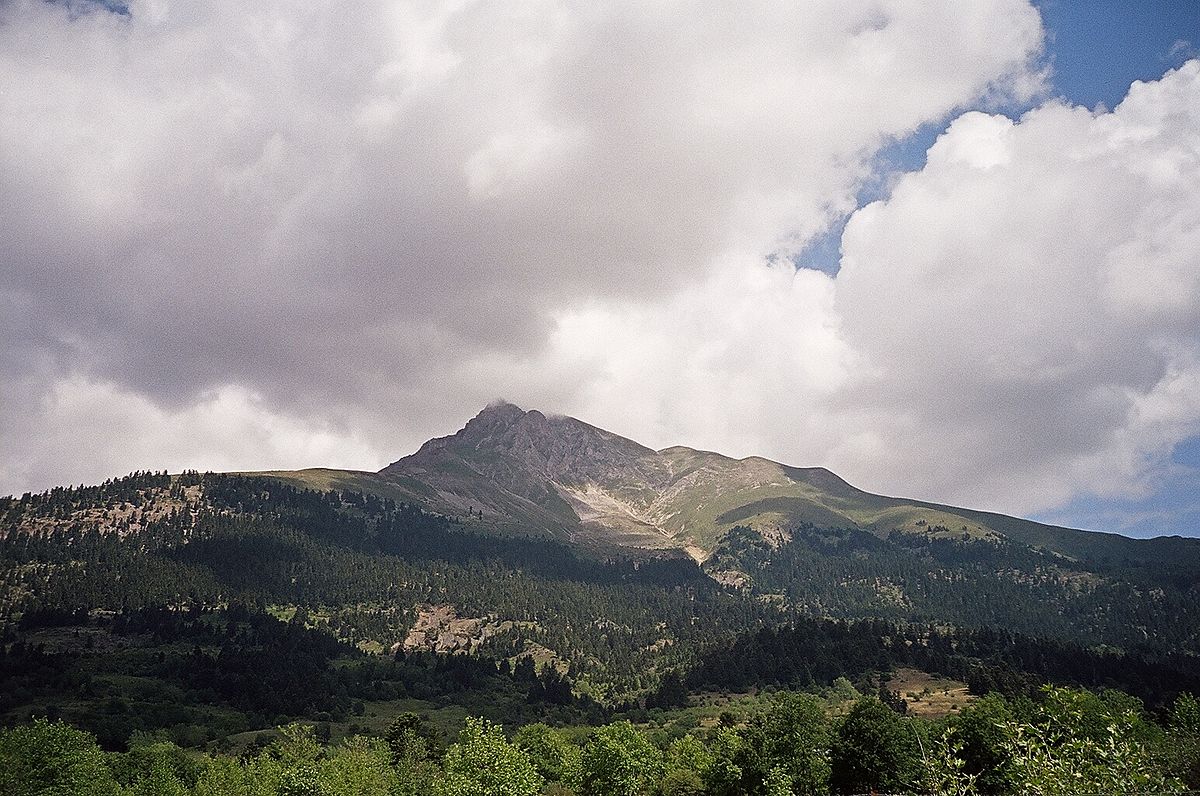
(270, 235)
(1017, 325)
(740, 362)
(239, 237)
(1031, 299)
(118, 432)
(369, 212)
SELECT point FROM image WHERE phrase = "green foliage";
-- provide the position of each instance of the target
(146, 753)
(874, 750)
(361, 766)
(788, 745)
(297, 751)
(681, 782)
(171, 771)
(844, 689)
(555, 758)
(1185, 714)
(688, 760)
(360, 563)
(1073, 742)
(1182, 744)
(185, 649)
(483, 763)
(942, 769)
(1081, 744)
(353, 566)
(777, 783)
(982, 737)
(226, 776)
(1021, 587)
(160, 781)
(724, 774)
(620, 761)
(52, 759)
(411, 739)
(809, 652)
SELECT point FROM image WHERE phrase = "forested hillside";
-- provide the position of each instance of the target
(189, 604)
(847, 572)
(362, 568)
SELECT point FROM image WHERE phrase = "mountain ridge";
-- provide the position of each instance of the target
(524, 471)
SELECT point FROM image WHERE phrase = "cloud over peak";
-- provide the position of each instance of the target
(360, 222)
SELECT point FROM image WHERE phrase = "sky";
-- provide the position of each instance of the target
(949, 250)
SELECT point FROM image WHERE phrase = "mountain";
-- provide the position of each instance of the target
(525, 471)
(544, 543)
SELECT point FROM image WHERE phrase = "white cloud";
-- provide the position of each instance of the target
(1031, 298)
(1016, 326)
(734, 363)
(85, 432)
(367, 212)
(272, 236)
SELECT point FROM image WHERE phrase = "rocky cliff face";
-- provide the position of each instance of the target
(529, 472)
(518, 467)
(510, 445)
(529, 468)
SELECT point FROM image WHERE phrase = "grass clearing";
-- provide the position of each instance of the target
(929, 696)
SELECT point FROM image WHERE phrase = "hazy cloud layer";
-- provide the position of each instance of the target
(277, 235)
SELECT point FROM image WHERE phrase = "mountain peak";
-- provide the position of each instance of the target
(497, 414)
(556, 447)
(500, 408)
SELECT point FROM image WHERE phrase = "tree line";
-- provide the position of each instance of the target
(1065, 742)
